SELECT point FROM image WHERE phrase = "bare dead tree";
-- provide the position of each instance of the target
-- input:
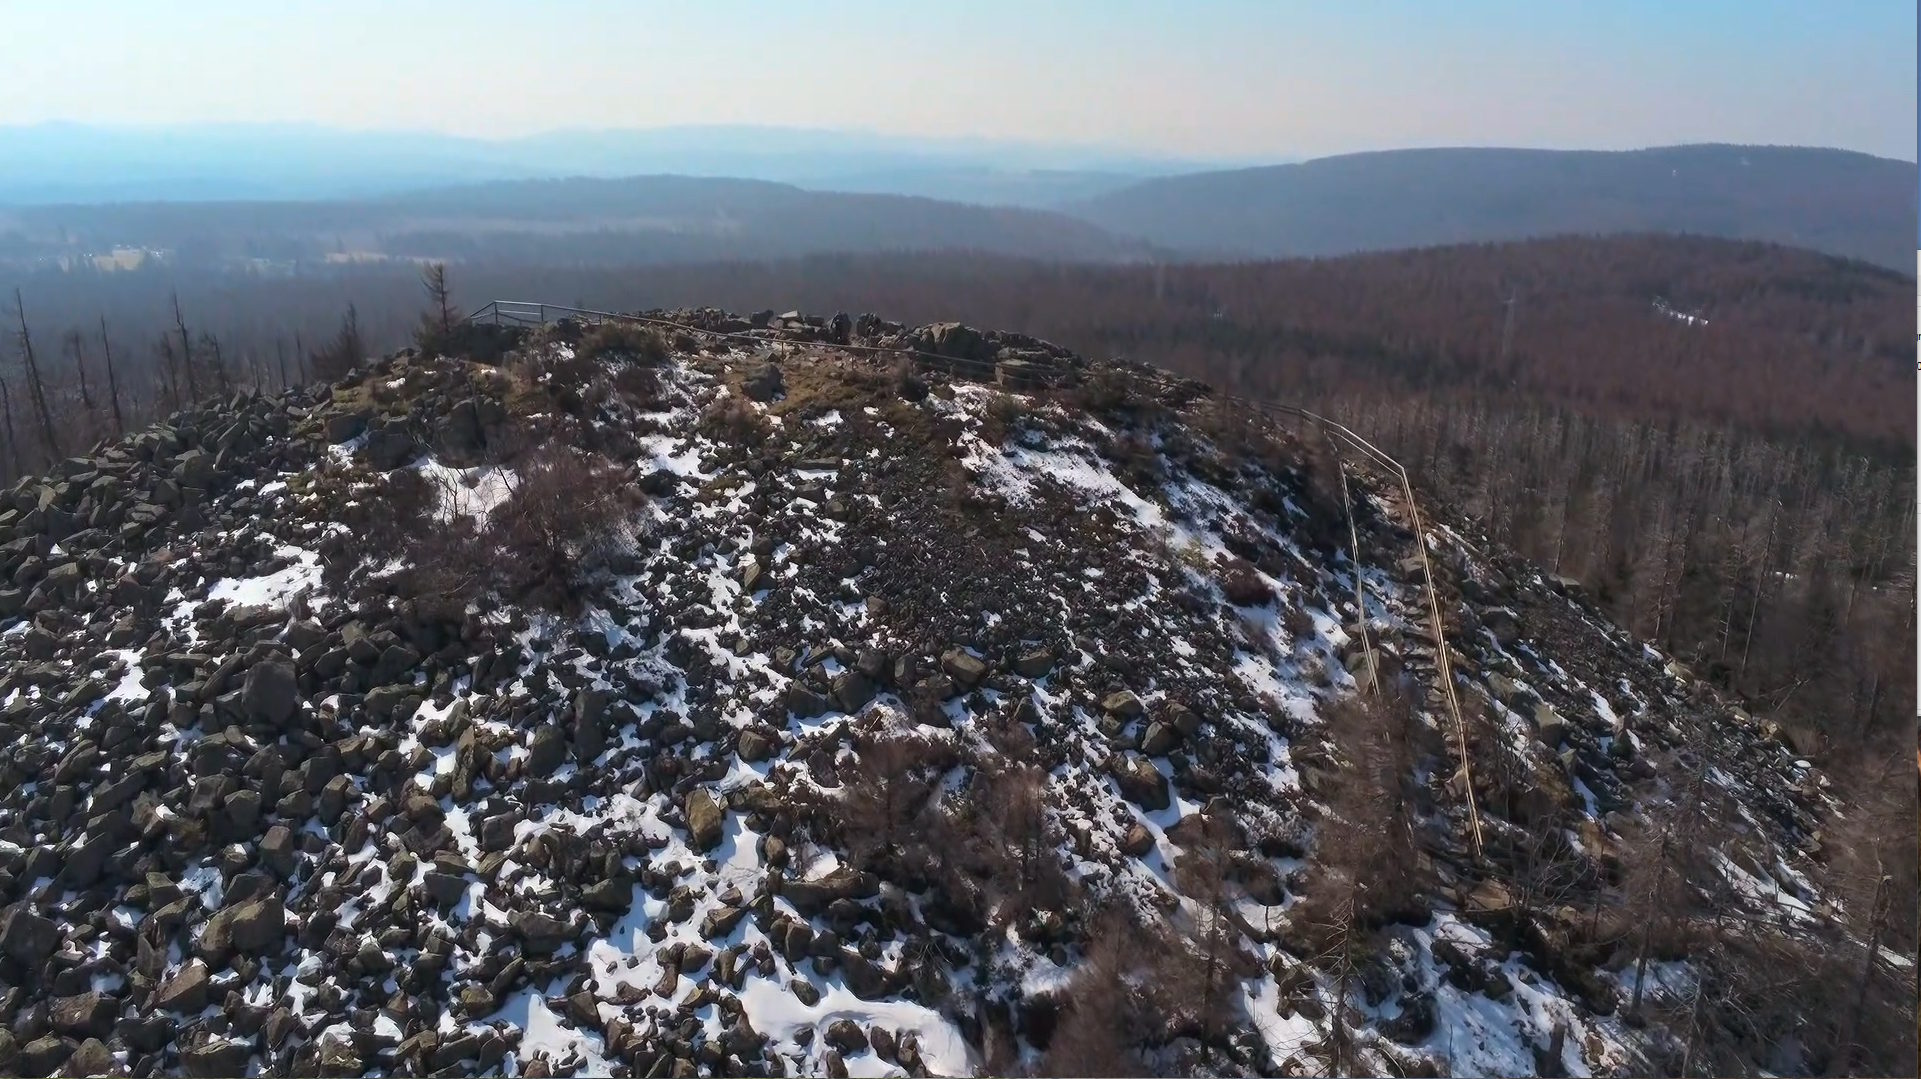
(339, 355)
(169, 370)
(280, 358)
(113, 381)
(1106, 1016)
(434, 280)
(34, 383)
(1341, 952)
(1203, 971)
(1364, 853)
(1873, 851)
(886, 795)
(13, 442)
(75, 346)
(186, 352)
(1664, 869)
(222, 377)
(1015, 800)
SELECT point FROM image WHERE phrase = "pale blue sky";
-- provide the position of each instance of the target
(1228, 77)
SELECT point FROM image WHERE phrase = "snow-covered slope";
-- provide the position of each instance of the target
(870, 720)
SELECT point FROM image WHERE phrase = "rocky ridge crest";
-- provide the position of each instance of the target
(803, 728)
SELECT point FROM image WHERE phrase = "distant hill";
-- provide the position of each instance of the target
(1833, 201)
(644, 219)
(73, 163)
(1036, 188)
(662, 218)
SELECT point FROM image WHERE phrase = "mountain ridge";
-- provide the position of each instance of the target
(1836, 201)
(55, 162)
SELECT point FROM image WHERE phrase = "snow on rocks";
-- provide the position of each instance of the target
(886, 685)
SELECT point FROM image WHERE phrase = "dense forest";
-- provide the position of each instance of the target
(1714, 437)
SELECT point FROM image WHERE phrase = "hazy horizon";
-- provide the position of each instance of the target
(933, 146)
(1234, 82)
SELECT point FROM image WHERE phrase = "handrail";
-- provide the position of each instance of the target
(1329, 428)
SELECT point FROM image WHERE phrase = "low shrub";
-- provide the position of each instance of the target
(479, 342)
(624, 341)
(1243, 585)
(557, 532)
(735, 419)
(638, 386)
(1004, 415)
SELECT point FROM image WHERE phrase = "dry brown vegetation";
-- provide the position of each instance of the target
(566, 522)
(734, 419)
(560, 526)
(625, 341)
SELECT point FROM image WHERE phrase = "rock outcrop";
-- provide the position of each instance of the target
(333, 748)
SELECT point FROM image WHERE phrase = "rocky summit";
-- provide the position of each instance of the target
(784, 695)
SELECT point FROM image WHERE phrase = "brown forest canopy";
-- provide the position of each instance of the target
(1794, 342)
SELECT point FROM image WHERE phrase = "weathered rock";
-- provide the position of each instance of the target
(186, 990)
(804, 991)
(721, 921)
(26, 936)
(754, 746)
(846, 1036)
(387, 448)
(705, 817)
(540, 933)
(92, 1058)
(1123, 705)
(1140, 782)
(1184, 719)
(45, 1055)
(271, 692)
(1160, 739)
(612, 894)
(1502, 623)
(86, 1015)
(1490, 896)
(1035, 663)
(459, 432)
(249, 928)
(811, 897)
(548, 750)
(963, 667)
(1549, 724)
(804, 702)
(852, 690)
(216, 1057)
(345, 426)
(444, 889)
(765, 384)
(474, 1001)
(865, 978)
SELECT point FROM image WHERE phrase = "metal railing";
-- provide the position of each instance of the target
(531, 313)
